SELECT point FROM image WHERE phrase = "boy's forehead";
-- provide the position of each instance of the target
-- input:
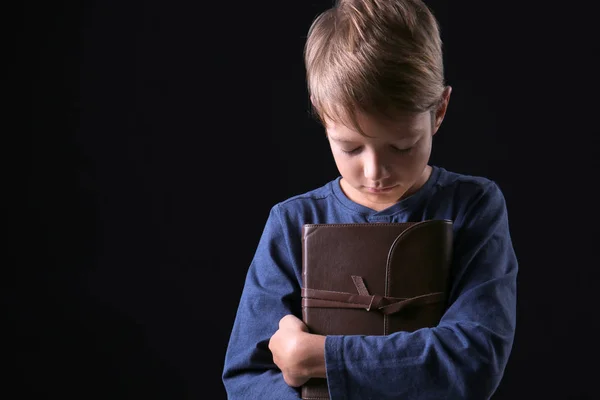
(400, 127)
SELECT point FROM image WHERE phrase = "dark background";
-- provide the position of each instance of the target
(145, 143)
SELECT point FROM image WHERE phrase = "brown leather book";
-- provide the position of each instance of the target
(373, 279)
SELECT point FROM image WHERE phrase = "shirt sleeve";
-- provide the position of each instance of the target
(465, 355)
(271, 290)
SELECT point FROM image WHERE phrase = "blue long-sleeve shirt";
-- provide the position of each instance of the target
(463, 357)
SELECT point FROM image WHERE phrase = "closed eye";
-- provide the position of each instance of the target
(397, 150)
(353, 151)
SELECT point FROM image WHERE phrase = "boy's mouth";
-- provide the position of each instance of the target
(379, 190)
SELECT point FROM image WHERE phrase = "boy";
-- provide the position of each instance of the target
(376, 81)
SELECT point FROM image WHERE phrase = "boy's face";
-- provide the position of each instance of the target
(380, 170)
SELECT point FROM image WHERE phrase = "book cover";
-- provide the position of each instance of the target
(373, 279)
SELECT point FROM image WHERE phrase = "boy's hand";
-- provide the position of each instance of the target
(299, 354)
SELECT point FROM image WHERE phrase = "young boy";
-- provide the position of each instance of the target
(376, 80)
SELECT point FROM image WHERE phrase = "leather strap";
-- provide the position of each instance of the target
(387, 305)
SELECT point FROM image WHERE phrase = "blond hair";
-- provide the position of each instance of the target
(379, 57)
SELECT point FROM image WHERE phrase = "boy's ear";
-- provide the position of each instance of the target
(440, 112)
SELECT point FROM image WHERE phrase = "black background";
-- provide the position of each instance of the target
(145, 143)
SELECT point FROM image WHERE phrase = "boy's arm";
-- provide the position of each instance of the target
(270, 291)
(465, 355)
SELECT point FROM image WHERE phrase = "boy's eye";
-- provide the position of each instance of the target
(353, 151)
(401, 150)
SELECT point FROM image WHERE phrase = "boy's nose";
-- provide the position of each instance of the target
(374, 168)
